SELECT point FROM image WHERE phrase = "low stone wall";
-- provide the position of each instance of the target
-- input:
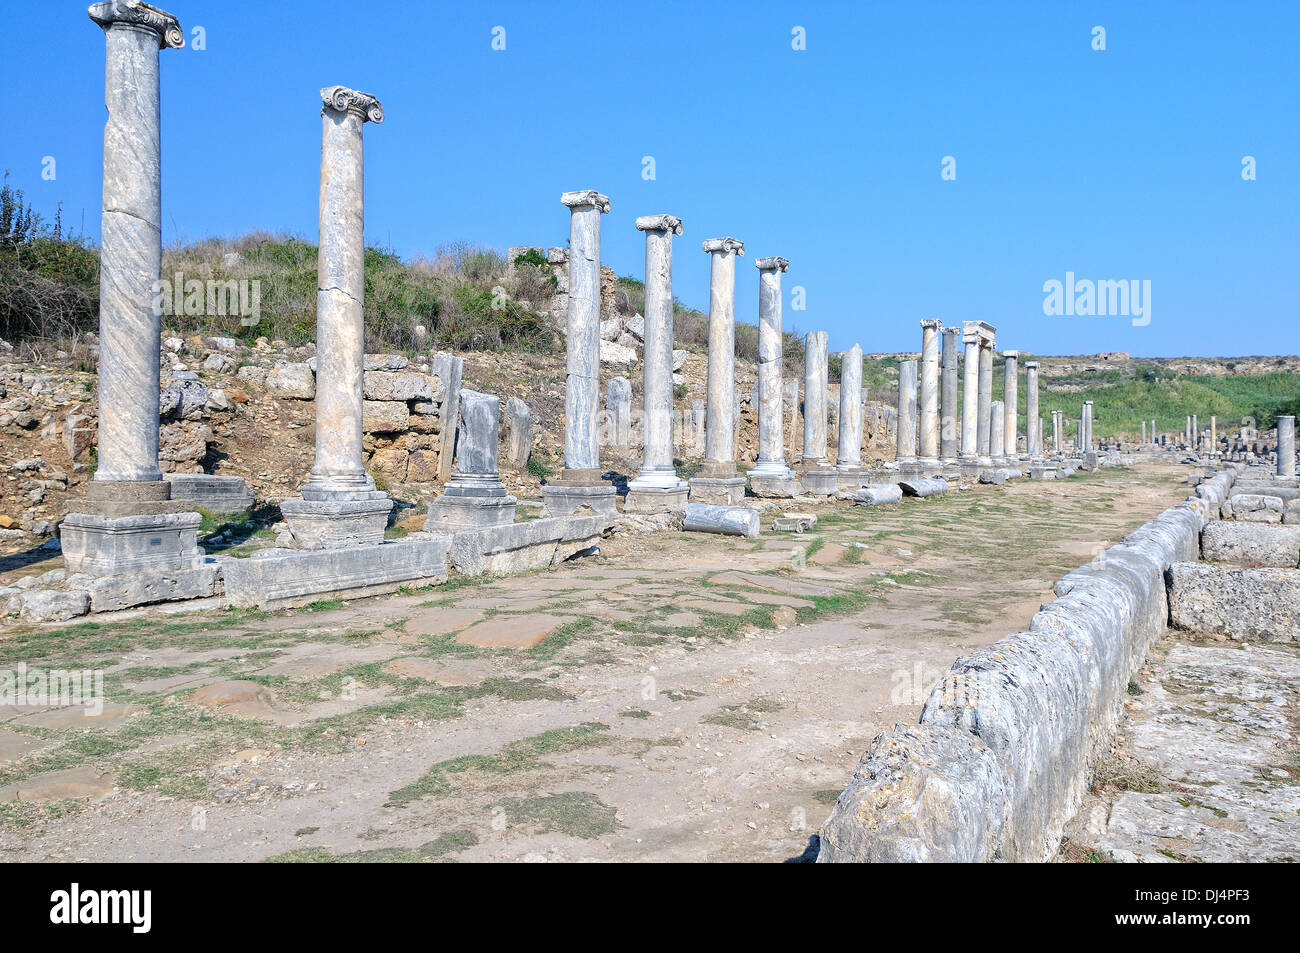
(1006, 743)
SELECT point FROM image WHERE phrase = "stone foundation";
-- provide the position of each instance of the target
(821, 481)
(718, 491)
(215, 494)
(337, 524)
(774, 486)
(149, 542)
(538, 544)
(650, 499)
(561, 499)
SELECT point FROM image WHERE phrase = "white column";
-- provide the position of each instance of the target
(1011, 405)
(814, 399)
(1034, 441)
(771, 443)
(906, 454)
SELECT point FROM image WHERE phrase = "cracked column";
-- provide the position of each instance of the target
(1011, 407)
(848, 461)
(340, 505)
(770, 476)
(474, 497)
(906, 452)
(718, 482)
(818, 474)
(929, 437)
(657, 488)
(580, 485)
(1286, 447)
(128, 522)
(949, 429)
(1034, 438)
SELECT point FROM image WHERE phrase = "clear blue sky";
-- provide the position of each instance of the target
(1122, 164)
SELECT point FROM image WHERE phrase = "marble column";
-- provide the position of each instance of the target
(128, 522)
(997, 428)
(1196, 434)
(970, 396)
(657, 488)
(718, 481)
(949, 432)
(1058, 432)
(818, 475)
(1034, 438)
(770, 476)
(929, 433)
(580, 485)
(340, 505)
(474, 497)
(1011, 405)
(1214, 434)
(1286, 446)
(1144, 433)
(906, 452)
(983, 439)
(848, 460)
(1088, 442)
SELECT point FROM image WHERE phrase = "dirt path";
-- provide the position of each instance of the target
(694, 697)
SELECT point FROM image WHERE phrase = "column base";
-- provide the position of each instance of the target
(850, 478)
(338, 523)
(143, 542)
(718, 491)
(774, 484)
(563, 498)
(821, 481)
(655, 499)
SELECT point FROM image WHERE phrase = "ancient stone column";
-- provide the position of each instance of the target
(818, 475)
(949, 432)
(997, 425)
(475, 497)
(1034, 438)
(1058, 432)
(983, 437)
(340, 505)
(1011, 405)
(929, 434)
(128, 522)
(906, 455)
(717, 481)
(1286, 446)
(657, 488)
(1196, 434)
(970, 395)
(848, 461)
(770, 476)
(580, 485)
(1087, 425)
(1214, 433)
(1144, 432)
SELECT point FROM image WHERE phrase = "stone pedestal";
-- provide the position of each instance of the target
(340, 505)
(770, 476)
(580, 486)
(657, 488)
(475, 497)
(717, 482)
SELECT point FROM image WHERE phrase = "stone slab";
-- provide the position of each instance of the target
(512, 631)
(14, 746)
(285, 577)
(774, 487)
(337, 524)
(441, 671)
(442, 621)
(1259, 604)
(519, 547)
(821, 482)
(717, 491)
(1250, 544)
(575, 499)
(215, 494)
(780, 584)
(84, 782)
(111, 593)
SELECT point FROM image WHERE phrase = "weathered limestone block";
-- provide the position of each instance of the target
(390, 463)
(422, 466)
(520, 547)
(518, 434)
(286, 577)
(1250, 544)
(216, 494)
(384, 416)
(1291, 513)
(1259, 604)
(105, 545)
(794, 522)
(878, 494)
(617, 431)
(616, 355)
(47, 605)
(295, 381)
(727, 520)
(447, 369)
(400, 385)
(182, 446)
(1256, 508)
(111, 593)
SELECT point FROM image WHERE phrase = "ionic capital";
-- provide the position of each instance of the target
(341, 99)
(585, 198)
(726, 245)
(137, 13)
(660, 223)
(772, 264)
